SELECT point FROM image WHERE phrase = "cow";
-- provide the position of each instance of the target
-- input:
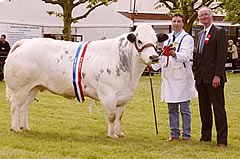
(109, 72)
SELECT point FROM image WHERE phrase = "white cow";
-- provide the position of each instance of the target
(110, 72)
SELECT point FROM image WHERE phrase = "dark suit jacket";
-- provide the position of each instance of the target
(212, 60)
(4, 46)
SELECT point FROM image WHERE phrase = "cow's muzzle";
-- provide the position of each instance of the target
(154, 58)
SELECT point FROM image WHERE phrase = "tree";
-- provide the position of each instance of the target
(232, 9)
(188, 8)
(68, 6)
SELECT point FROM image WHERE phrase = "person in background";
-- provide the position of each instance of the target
(232, 49)
(178, 86)
(4, 45)
(210, 77)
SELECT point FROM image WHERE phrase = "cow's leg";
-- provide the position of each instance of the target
(117, 128)
(111, 118)
(18, 98)
(16, 101)
(14, 116)
(109, 101)
(24, 109)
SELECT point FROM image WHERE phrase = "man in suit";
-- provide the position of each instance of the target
(210, 77)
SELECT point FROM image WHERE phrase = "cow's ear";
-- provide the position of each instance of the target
(162, 37)
(131, 37)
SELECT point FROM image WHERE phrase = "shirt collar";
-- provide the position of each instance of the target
(208, 29)
(177, 34)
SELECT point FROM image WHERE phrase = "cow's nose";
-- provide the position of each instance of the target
(154, 58)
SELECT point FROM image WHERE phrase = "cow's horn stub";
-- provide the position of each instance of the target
(162, 37)
(131, 37)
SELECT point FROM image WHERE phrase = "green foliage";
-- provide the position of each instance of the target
(64, 129)
(187, 8)
(59, 15)
(232, 9)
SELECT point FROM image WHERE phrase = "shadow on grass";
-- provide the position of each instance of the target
(101, 138)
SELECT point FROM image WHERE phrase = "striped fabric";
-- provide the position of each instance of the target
(77, 70)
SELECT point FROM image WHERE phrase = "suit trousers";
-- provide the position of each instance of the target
(212, 97)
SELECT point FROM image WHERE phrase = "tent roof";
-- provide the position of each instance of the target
(34, 12)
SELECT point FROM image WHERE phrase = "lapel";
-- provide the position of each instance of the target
(209, 37)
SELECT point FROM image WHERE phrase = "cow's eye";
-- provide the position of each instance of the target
(140, 42)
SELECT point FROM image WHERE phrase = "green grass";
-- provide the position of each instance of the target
(62, 128)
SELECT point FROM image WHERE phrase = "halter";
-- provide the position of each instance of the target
(144, 46)
(141, 49)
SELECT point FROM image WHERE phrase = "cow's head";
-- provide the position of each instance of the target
(145, 40)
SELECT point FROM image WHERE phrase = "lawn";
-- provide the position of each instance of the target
(62, 128)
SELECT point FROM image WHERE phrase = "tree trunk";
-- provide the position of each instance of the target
(67, 23)
(188, 28)
(67, 30)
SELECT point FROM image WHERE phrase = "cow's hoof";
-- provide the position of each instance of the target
(113, 136)
(25, 129)
(15, 129)
(120, 134)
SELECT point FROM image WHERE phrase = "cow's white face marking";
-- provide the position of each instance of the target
(145, 41)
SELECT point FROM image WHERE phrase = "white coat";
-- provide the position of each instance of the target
(178, 84)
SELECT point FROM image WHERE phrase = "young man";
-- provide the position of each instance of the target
(178, 86)
(210, 77)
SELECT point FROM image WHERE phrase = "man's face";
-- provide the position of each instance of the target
(177, 24)
(2, 39)
(204, 17)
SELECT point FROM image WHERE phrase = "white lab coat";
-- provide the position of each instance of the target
(178, 84)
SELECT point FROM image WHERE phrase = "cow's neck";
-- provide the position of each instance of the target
(137, 70)
(130, 65)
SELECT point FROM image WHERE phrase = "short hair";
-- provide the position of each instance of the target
(177, 15)
(4, 36)
(209, 10)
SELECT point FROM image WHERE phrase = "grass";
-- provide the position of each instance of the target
(62, 128)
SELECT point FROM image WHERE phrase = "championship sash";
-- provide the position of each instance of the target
(77, 70)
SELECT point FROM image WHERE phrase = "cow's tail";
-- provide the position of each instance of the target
(9, 93)
(17, 44)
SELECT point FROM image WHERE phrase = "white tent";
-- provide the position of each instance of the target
(29, 18)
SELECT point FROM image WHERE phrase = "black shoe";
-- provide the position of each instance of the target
(221, 145)
(204, 140)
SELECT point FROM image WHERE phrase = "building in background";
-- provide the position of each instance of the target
(18, 20)
(21, 19)
(140, 12)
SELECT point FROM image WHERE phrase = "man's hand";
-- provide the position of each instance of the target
(216, 81)
(169, 50)
(172, 53)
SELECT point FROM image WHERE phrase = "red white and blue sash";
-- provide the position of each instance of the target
(77, 70)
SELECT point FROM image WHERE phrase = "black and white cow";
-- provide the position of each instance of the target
(109, 72)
